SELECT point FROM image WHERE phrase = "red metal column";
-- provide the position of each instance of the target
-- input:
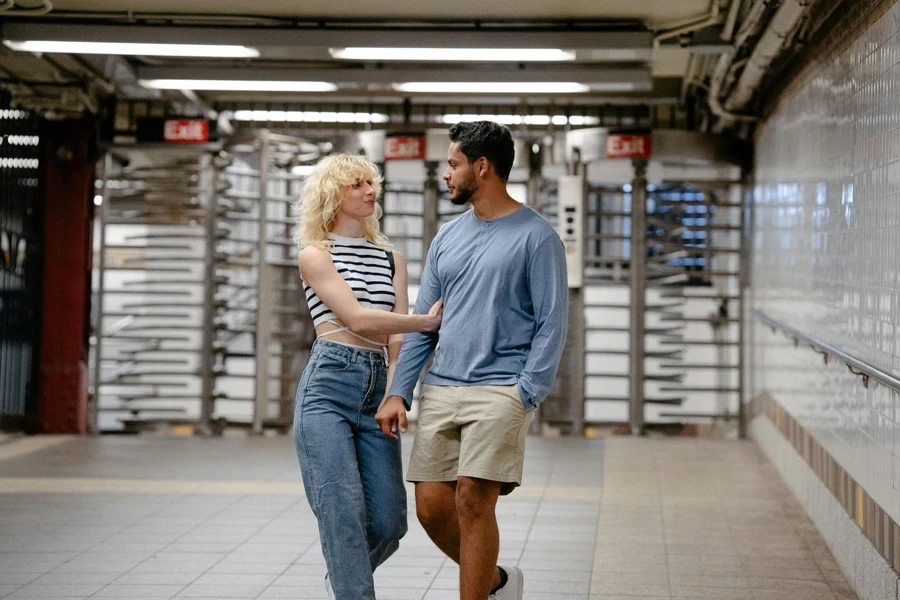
(65, 313)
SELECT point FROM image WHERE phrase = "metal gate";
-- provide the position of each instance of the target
(150, 307)
(265, 331)
(199, 317)
(692, 298)
(21, 262)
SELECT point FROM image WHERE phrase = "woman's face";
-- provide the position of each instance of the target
(359, 200)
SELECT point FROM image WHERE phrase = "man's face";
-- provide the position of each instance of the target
(460, 176)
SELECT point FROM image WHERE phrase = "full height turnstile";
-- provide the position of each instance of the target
(199, 315)
(655, 328)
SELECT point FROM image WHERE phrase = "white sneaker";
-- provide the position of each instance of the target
(514, 585)
(329, 589)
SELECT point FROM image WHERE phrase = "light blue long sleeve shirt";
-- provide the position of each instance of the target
(505, 295)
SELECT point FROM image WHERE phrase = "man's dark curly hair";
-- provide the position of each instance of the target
(488, 139)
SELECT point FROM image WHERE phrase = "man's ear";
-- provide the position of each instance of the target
(484, 167)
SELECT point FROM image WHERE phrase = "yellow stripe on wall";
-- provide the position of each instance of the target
(860, 509)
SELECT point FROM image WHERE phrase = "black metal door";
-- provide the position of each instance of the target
(21, 263)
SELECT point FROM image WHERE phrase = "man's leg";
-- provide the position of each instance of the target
(494, 423)
(436, 508)
(476, 503)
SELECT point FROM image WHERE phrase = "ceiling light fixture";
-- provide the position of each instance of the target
(308, 116)
(118, 48)
(492, 87)
(455, 54)
(238, 85)
(577, 120)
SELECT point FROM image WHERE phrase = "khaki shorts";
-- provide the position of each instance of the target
(476, 431)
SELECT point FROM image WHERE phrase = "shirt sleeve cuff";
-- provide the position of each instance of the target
(528, 400)
(406, 397)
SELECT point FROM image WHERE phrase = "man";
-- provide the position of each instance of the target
(500, 269)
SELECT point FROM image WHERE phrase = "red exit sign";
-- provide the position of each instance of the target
(404, 147)
(186, 130)
(627, 145)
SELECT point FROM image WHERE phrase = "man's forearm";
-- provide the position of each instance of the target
(417, 349)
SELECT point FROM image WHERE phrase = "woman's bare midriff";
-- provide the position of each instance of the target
(345, 337)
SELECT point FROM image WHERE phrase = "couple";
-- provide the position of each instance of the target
(493, 293)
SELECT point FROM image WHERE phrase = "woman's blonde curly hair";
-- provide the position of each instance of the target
(322, 196)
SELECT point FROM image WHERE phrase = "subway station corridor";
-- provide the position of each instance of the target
(665, 235)
(159, 518)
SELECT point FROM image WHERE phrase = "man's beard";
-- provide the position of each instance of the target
(464, 192)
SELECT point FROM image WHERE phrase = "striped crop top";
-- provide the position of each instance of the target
(366, 269)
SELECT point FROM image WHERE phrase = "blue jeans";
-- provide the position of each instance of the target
(352, 473)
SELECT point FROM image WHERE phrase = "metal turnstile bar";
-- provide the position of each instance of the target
(647, 400)
(698, 366)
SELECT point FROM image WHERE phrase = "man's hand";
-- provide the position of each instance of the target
(390, 415)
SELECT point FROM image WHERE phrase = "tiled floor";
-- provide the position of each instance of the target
(153, 518)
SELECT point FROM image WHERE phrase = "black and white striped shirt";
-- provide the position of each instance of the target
(365, 268)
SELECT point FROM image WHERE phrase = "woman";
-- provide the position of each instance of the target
(356, 291)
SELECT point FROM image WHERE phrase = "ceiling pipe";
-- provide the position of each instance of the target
(688, 80)
(783, 23)
(722, 65)
(715, 89)
(725, 62)
(712, 18)
(8, 7)
(751, 24)
(731, 20)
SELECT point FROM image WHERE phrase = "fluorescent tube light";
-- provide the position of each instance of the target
(237, 85)
(455, 54)
(308, 116)
(452, 118)
(195, 50)
(492, 87)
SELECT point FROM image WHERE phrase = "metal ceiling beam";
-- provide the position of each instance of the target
(278, 42)
(637, 78)
(665, 91)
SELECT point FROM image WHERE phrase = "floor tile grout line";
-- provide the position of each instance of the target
(433, 579)
(600, 505)
(215, 514)
(169, 544)
(83, 552)
(806, 544)
(315, 542)
(659, 493)
(537, 510)
(237, 546)
(444, 562)
(532, 528)
(77, 554)
(734, 541)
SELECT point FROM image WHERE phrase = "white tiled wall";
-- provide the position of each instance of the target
(826, 254)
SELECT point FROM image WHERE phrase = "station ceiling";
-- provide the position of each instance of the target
(649, 11)
(469, 53)
(296, 39)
